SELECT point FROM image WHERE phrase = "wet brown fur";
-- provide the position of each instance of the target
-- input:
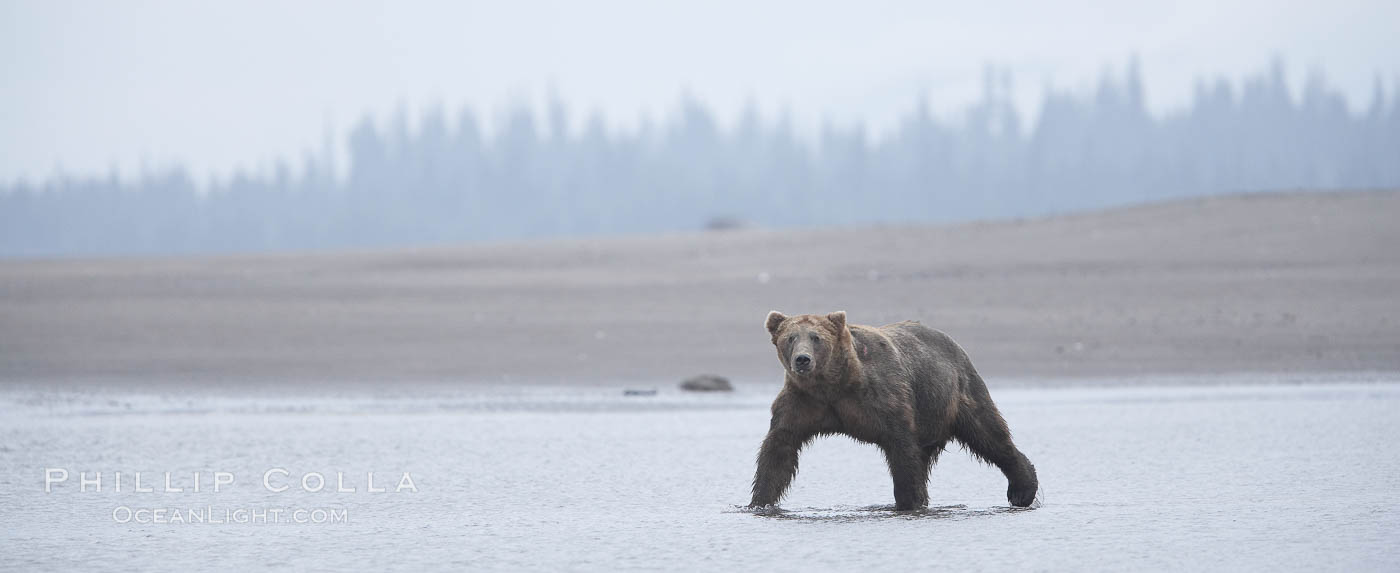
(904, 387)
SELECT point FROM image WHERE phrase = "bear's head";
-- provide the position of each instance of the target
(811, 345)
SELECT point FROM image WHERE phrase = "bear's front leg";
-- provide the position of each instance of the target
(906, 463)
(777, 464)
(795, 421)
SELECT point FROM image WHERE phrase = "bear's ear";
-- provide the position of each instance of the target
(775, 319)
(838, 318)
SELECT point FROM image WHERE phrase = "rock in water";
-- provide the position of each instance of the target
(707, 383)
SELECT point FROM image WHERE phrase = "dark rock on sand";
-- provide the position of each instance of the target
(707, 383)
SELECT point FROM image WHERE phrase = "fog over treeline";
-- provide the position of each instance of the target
(533, 177)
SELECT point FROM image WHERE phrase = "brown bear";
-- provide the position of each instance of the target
(904, 387)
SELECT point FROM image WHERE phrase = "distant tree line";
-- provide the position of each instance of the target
(449, 183)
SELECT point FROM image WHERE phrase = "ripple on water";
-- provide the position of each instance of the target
(854, 514)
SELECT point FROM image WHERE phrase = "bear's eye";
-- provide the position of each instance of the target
(815, 339)
(792, 339)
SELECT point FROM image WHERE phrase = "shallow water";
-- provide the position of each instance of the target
(1296, 476)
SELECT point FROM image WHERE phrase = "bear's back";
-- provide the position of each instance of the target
(908, 346)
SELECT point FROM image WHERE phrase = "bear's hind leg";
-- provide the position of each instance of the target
(985, 434)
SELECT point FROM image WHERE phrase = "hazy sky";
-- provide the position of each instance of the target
(88, 86)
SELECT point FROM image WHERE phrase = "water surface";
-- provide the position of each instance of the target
(1224, 476)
